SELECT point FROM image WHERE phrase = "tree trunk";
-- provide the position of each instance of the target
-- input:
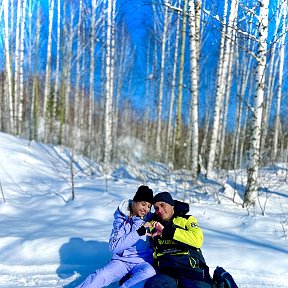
(178, 128)
(169, 143)
(48, 68)
(91, 108)
(194, 43)
(21, 64)
(108, 92)
(35, 97)
(57, 74)
(280, 81)
(271, 76)
(230, 54)
(251, 189)
(10, 109)
(245, 67)
(161, 87)
(219, 95)
(17, 68)
(68, 67)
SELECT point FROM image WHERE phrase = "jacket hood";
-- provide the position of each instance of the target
(124, 208)
(180, 208)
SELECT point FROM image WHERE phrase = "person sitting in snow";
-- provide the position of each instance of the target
(129, 243)
(177, 239)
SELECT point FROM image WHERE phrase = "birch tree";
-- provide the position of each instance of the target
(35, 89)
(161, 87)
(178, 126)
(244, 73)
(17, 68)
(194, 52)
(48, 65)
(228, 77)
(221, 77)
(251, 189)
(77, 115)
(68, 79)
(280, 81)
(91, 76)
(57, 72)
(169, 143)
(8, 84)
(28, 90)
(112, 80)
(21, 64)
(271, 76)
(108, 92)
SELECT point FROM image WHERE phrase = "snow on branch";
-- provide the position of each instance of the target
(250, 11)
(174, 8)
(248, 35)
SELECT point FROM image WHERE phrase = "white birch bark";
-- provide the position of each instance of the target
(280, 81)
(21, 64)
(161, 85)
(17, 66)
(78, 71)
(8, 67)
(241, 88)
(68, 80)
(108, 93)
(48, 65)
(194, 90)
(57, 72)
(147, 97)
(251, 189)
(178, 126)
(82, 113)
(227, 79)
(219, 94)
(243, 133)
(169, 143)
(35, 89)
(91, 76)
(197, 5)
(113, 136)
(63, 75)
(271, 76)
(28, 88)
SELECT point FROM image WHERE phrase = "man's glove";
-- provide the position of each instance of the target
(169, 230)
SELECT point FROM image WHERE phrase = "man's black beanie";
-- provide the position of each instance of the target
(144, 193)
(163, 197)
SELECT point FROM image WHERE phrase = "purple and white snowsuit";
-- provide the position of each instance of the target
(131, 253)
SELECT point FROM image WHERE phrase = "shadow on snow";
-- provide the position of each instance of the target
(81, 257)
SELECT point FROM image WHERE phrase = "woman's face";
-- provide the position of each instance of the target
(140, 208)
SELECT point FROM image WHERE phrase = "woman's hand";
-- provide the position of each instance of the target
(158, 228)
(143, 229)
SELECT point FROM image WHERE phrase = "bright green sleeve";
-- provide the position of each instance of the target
(188, 231)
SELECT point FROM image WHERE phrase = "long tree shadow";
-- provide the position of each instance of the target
(81, 257)
(233, 237)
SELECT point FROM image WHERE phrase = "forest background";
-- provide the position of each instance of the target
(198, 85)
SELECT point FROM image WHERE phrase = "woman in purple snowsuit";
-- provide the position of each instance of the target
(132, 252)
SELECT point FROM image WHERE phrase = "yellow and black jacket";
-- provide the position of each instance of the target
(177, 251)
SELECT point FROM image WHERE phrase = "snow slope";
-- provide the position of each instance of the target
(47, 240)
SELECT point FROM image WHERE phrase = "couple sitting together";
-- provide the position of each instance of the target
(175, 238)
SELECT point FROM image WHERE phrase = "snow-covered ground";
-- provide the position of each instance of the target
(47, 240)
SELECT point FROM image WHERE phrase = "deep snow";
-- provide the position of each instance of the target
(47, 240)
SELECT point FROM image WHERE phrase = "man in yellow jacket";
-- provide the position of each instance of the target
(177, 239)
